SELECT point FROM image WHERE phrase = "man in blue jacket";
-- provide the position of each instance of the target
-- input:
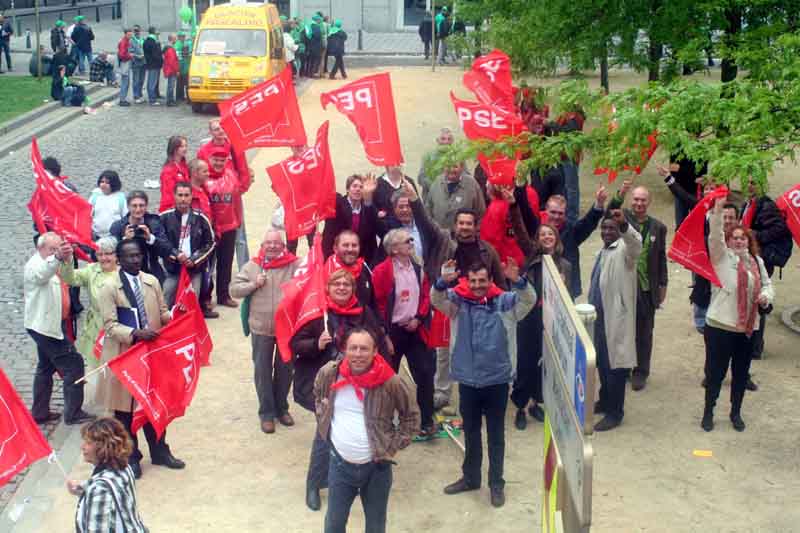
(483, 326)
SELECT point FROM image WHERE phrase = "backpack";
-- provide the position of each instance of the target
(777, 253)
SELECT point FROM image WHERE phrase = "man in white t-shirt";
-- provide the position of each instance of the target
(356, 400)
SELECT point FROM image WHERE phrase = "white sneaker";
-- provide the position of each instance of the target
(138, 100)
(152, 184)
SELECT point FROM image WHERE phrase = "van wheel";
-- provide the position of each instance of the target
(196, 108)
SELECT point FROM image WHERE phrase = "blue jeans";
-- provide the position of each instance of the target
(699, 315)
(81, 57)
(5, 48)
(138, 80)
(124, 83)
(171, 80)
(372, 481)
(152, 83)
(572, 190)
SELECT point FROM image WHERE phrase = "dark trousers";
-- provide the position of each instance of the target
(313, 65)
(338, 65)
(180, 90)
(371, 481)
(5, 49)
(318, 464)
(681, 211)
(158, 447)
(421, 363)
(724, 347)
(291, 244)
(528, 383)
(427, 48)
(645, 322)
(226, 246)
(612, 380)
(475, 403)
(271, 376)
(56, 355)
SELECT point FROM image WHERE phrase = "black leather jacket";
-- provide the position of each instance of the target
(159, 248)
(201, 238)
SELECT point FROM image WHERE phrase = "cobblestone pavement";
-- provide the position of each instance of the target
(109, 140)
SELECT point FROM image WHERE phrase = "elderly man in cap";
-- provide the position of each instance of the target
(82, 37)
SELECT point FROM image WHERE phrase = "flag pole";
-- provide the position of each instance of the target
(53, 458)
(91, 373)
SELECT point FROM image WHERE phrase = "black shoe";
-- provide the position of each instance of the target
(312, 499)
(703, 384)
(124, 103)
(757, 356)
(750, 385)
(497, 496)
(708, 421)
(536, 412)
(170, 461)
(80, 418)
(598, 408)
(738, 423)
(50, 417)
(137, 470)
(520, 421)
(638, 381)
(607, 423)
(459, 486)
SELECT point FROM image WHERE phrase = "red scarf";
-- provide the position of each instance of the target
(379, 373)
(286, 258)
(748, 310)
(351, 308)
(747, 217)
(463, 290)
(333, 264)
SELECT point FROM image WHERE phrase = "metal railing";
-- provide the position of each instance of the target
(83, 8)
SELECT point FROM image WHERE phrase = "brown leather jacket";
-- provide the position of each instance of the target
(380, 404)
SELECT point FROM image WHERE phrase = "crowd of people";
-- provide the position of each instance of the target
(404, 260)
(310, 42)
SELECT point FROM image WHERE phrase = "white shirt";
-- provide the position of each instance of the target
(185, 239)
(290, 46)
(349, 428)
(412, 229)
(106, 209)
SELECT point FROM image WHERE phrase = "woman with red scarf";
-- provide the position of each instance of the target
(733, 314)
(225, 189)
(319, 342)
(174, 170)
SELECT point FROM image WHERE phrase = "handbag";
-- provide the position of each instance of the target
(244, 313)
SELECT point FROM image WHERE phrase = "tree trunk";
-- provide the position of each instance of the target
(604, 69)
(733, 16)
(654, 54)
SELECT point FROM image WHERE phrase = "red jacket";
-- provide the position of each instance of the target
(383, 287)
(496, 230)
(171, 173)
(171, 66)
(122, 49)
(225, 193)
(201, 202)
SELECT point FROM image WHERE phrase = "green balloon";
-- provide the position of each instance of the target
(186, 14)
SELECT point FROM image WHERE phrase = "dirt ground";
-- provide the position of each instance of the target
(646, 477)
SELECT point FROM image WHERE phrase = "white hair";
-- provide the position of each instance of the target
(44, 237)
(107, 244)
(393, 238)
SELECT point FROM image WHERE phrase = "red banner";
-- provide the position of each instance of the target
(21, 441)
(56, 208)
(265, 115)
(97, 349)
(490, 80)
(500, 170)
(481, 121)
(689, 245)
(185, 303)
(789, 203)
(161, 374)
(303, 299)
(306, 186)
(369, 104)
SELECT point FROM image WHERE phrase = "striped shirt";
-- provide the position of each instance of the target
(108, 503)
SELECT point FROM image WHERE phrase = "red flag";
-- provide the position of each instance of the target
(490, 80)
(97, 349)
(499, 170)
(789, 203)
(303, 299)
(161, 374)
(186, 302)
(647, 154)
(265, 115)
(21, 441)
(689, 245)
(306, 186)
(369, 104)
(496, 230)
(481, 121)
(56, 208)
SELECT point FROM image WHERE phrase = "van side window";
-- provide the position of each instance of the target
(276, 43)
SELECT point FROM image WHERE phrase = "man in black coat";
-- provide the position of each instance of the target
(354, 212)
(336, 40)
(147, 229)
(426, 32)
(153, 61)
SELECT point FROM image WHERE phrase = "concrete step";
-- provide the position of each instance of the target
(18, 132)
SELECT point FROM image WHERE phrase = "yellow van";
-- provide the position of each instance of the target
(238, 45)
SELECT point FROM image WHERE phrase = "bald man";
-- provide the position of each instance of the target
(261, 279)
(652, 276)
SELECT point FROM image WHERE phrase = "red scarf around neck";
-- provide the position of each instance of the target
(463, 290)
(747, 308)
(286, 258)
(333, 264)
(351, 308)
(379, 373)
(750, 212)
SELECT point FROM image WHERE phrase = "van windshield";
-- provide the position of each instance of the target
(232, 42)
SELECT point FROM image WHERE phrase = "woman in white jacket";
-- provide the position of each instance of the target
(733, 312)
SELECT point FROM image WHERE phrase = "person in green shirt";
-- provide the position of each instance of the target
(325, 30)
(183, 47)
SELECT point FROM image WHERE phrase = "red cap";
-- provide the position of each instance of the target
(219, 151)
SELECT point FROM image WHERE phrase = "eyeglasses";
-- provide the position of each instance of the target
(410, 240)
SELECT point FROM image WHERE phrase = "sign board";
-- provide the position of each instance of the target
(573, 348)
(553, 476)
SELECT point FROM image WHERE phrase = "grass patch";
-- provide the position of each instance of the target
(20, 94)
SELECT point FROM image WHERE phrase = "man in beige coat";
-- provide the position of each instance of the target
(261, 279)
(613, 294)
(138, 294)
(454, 190)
